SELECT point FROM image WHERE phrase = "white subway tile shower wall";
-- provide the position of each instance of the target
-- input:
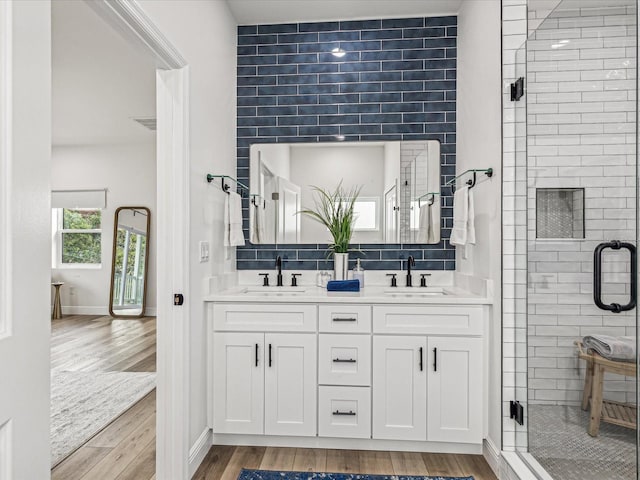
(581, 134)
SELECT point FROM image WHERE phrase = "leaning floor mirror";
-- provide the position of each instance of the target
(129, 262)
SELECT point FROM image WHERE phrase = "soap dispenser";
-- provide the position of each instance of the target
(358, 273)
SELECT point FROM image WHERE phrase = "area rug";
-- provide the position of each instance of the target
(83, 403)
(276, 475)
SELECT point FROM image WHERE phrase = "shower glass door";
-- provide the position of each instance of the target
(579, 159)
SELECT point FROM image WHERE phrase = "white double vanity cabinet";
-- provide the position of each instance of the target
(369, 371)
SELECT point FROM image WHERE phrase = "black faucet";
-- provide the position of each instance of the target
(410, 263)
(279, 267)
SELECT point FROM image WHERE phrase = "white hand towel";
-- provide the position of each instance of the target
(471, 223)
(233, 235)
(258, 231)
(460, 217)
(424, 224)
(434, 229)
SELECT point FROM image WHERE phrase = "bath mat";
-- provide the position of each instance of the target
(83, 403)
(277, 475)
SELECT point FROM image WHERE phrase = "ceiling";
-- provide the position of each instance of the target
(100, 81)
(248, 12)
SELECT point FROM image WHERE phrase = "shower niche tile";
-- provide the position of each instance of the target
(559, 213)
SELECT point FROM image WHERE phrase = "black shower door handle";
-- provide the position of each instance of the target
(597, 276)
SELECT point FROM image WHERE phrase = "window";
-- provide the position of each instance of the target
(366, 212)
(78, 239)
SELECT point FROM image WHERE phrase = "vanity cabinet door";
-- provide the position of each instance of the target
(290, 384)
(238, 383)
(454, 407)
(399, 388)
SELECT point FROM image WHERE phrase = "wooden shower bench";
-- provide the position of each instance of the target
(608, 411)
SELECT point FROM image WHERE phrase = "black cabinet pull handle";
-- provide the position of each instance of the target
(421, 361)
(269, 355)
(344, 360)
(256, 354)
(339, 319)
(435, 359)
(597, 276)
(350, 413)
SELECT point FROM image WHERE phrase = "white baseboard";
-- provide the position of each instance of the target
(346, 443)
(90, 310)
(199, 450)
(491, 455)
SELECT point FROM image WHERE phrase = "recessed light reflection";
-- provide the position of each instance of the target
(560, 44)
(340, 138)
(338, 52)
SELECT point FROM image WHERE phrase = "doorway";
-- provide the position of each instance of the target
(103, 159)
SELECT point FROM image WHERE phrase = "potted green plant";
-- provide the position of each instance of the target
(336, 211)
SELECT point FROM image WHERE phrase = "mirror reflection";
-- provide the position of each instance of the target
(129, 262)
(399, 200)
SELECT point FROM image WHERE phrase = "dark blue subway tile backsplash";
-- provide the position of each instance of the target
(397, 81)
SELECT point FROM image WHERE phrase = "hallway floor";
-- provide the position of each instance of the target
(125, 449)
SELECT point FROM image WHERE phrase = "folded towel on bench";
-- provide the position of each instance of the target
(621, 349)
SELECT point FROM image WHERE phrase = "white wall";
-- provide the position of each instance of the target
(479, 146)
(205, 35)
(128, 172)
(325, 167)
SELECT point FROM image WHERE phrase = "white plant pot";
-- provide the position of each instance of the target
(340, 266)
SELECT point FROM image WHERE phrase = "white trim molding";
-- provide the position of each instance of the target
(199, 450)
(128, 17)
(97, 310)
(5, 165)
(492, 455)
(173, 327)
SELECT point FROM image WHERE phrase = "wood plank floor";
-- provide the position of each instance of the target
(226, 462)
(125, 450)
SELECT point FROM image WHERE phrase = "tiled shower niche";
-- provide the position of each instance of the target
(559, 213)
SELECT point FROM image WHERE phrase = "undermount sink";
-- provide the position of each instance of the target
(415, 292)
(273, 291)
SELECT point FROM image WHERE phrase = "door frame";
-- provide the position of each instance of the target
(172, 112)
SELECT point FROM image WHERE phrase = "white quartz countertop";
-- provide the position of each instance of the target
(370, 294)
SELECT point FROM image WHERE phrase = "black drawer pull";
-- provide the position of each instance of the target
(344, 360)
(346, 319)
(435, 359)
(269, 355)
(421, 357)
(256, 354)
(350, 413)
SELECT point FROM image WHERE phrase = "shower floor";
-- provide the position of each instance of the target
(558, 439)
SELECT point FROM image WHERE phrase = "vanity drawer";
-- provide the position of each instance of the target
(345, 318)
(428, 319)
(264, 317)
(344, 359)
(344, 412)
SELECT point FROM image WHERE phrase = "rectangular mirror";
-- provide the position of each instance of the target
(129, 262)
(399, 201)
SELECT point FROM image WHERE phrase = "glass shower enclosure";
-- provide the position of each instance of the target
(575, 143)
